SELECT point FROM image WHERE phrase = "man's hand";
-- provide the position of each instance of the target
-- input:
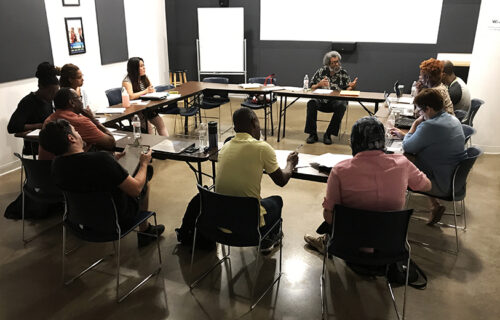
(119, 155)
(145, 158)
(324, 83)
(352, 85)
(87, 113)
(397, 133)
(292, 159)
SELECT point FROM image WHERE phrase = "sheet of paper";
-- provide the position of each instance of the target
(155, 95)
(405, 100)
(272, 88)
(173, 96)
(323, 91)
(139, 102)
(101, 119)
(396, 146)
(403, 108)
(111, 129)
(349, 93)
(119, 136)
(329, 159)
(110, 110)
(294, 89)
(34, 133)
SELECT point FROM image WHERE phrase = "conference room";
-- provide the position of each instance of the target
(269, 55)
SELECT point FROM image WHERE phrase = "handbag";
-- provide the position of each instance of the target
(396, 274)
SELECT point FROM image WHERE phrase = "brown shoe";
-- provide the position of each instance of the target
(317, 243)
(436, 214)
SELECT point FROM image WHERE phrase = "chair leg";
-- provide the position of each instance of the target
(462, 204)
(322, 282)
(272, 123)
(206, 273)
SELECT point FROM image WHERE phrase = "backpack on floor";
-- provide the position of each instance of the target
(185, 233)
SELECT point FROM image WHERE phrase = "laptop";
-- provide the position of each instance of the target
(155, 96)
(173, 146)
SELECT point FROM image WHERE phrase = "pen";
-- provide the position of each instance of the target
(298, 147)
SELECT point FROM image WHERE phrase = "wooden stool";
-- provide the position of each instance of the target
(180, 74)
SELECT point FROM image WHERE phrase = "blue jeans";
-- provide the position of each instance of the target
(273, 206)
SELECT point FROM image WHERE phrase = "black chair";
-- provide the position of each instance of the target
(385, 232)
(240, 215)
(475, 104)
(93, 217)
(458, 193)
(267, 104)
(460, 114)
(38, 186)
(114, 96)
(215, 98)
(468, 132)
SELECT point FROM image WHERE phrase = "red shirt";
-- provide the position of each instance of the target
(373, 180)
(83, 125)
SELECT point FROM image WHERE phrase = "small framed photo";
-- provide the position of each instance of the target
(75, 35)
(71, 3)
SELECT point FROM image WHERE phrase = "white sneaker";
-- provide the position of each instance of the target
(317, 243)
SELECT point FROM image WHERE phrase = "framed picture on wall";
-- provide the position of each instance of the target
(74, 33)
(71, 3)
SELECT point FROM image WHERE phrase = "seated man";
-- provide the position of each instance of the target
(79, 171)
(437, 140)
(371, 180)
(459, 93)
(240, 166)
(330, 76)
(69, 106)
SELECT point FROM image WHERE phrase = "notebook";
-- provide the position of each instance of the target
(130, 161)
(172, 146)
(155, 96)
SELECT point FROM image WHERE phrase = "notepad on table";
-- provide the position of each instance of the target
(349, 93)
(173, 96)
(323, 91)
(118, 136)
(329, 160)
(250, 85)
(34, 133)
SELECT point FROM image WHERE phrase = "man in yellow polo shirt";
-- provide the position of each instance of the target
(240, 166)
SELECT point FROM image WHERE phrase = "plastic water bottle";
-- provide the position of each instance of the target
(125, 98)
(306, 82)
(414, 89)
(136, 125)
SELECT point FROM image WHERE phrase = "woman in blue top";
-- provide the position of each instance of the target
(437, 140)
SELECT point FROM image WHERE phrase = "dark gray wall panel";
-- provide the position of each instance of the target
(112, 30)
(377, 65)
(24, 38)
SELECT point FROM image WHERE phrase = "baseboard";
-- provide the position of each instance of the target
(9, 167)
(487, 149)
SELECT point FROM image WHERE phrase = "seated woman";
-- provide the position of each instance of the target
(72, 77)
(371, 180)
(431, 71)
(137, 84)
(34, 108)
(437, 140)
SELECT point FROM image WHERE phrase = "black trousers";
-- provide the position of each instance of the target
(273, 206)
(336, 106)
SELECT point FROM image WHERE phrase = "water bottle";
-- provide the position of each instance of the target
(306, 82)
(136, 125)
(414, 89)
(212, 135)
(125, 98)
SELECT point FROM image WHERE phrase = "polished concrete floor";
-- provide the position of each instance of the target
(463, 286)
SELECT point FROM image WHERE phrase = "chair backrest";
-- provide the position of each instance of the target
(385, 232)
(462, 171)
(114, 96)
(38, 176)
(215, 93)
(260, 80)
(468, 131)
(216, 80)
(475, 104)
(164, 87)
(239, 215)
(92, 215)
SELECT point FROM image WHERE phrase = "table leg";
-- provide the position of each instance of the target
(376, 107)
(284, 117)
(200, 174)
(279, 117)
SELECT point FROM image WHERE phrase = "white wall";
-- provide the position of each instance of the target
(483, 78)
(146, 37)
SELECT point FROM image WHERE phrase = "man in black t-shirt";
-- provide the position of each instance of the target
(79, 171)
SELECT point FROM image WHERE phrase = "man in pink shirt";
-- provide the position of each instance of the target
(371, 180)
(69, 106)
